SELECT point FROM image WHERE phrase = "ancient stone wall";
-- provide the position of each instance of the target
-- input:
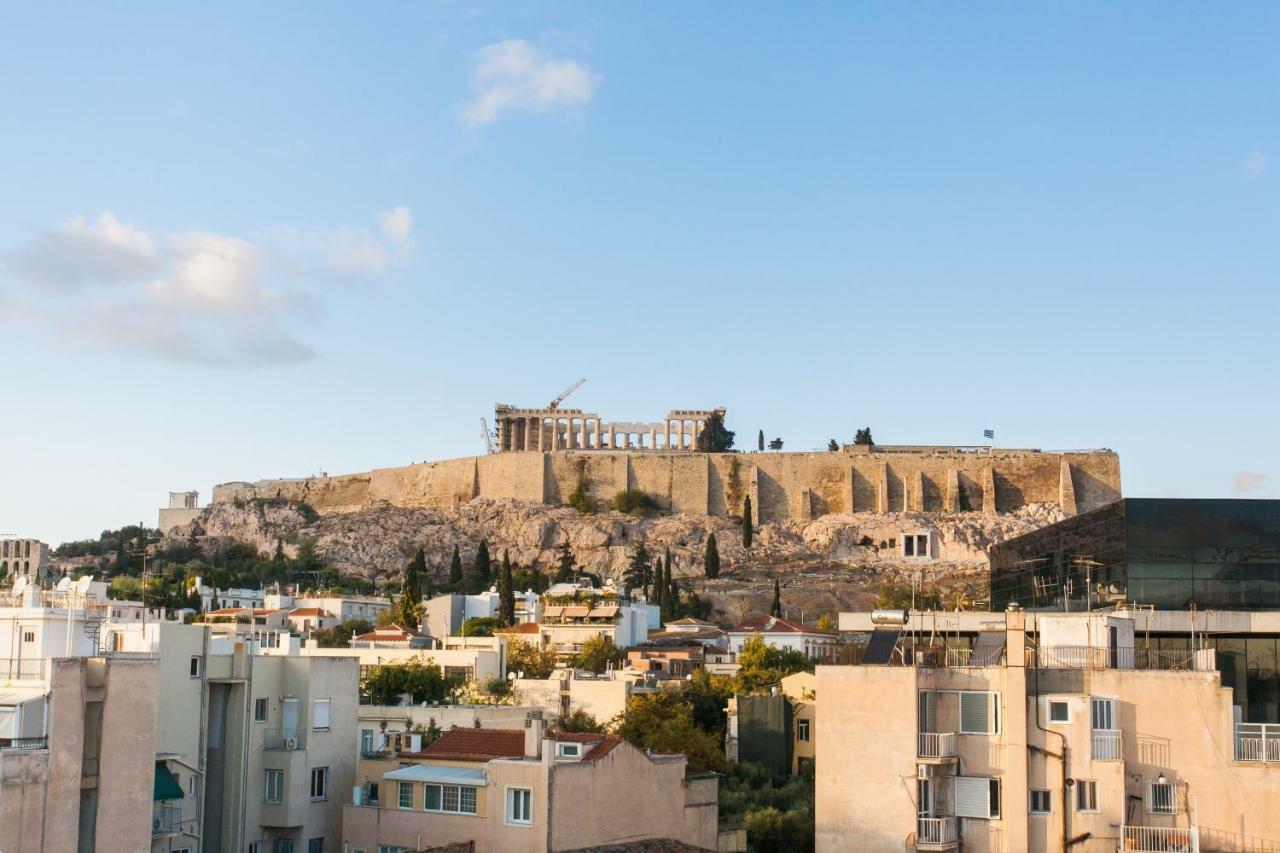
(783, 486)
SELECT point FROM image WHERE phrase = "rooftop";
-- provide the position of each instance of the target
(775, 625)
(471, 744)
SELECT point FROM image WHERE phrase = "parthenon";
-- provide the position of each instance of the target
(548, 429)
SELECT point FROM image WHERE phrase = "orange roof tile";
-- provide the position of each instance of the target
(471, 744)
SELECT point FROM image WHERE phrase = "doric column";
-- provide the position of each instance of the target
(555, 432)
(653, 438)
(598, 434)
(528, 433)
(697, 428)
(539, 436)
(666, 434)
(582, 436)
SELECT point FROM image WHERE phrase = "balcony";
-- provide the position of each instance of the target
(1257, 742)
(24, 743)
(1155, 839)
(166, 820)
(285, 739)
(936, 746)
(1123, 657)
(937, 833)
(22, 669)
(1107, 745)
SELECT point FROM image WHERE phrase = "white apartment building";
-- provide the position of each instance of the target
(781, 633)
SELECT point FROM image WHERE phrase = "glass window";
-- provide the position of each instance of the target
(319, 783)
(1059, 711)
(450, 798)
(320, 714)
(434, 799)
(993, 790)
(273, 786)
(467, 800)
(1260, 675)
(195, 666)
(366, 741)
(260, 706)
(1041, 801)
(1086, 795)
(802, 731)
(1160, 798)
(519, 805)
(406, 795)
(315, 845)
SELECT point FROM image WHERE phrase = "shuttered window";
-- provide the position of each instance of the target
(979, 713)
(320, 713)
(977, 797)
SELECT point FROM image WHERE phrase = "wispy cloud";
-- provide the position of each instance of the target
(1248, 482)
(195, 297)
(514, 75)
(1255, 164)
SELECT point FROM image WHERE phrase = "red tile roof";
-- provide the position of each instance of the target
(604, 744)
(775, 625)
(306, 611)
(471, 744)
(388, 632)
(521, 628)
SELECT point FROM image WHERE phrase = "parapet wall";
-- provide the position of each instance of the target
(782, 486)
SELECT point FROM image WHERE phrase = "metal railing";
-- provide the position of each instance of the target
(1157, 839)
(166, 820)
(1107, 745)
(25, 743)
(16, 669)
(936, 745)
(1124, 657)
(936, 830)
(284, 739)
(1257, 742)
(967, 658)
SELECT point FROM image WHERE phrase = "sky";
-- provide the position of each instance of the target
(250, 240)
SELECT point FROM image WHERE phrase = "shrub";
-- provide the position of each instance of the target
(635, 502)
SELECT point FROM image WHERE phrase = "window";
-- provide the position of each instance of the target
(1103, 714)
(273, 788)
(1161, 798)
(406, 795)
(373, 793)
(802, 731)
(320, 714)
(461, 673)
(568, 750)
(1059, 711)
(915, 545)
(260, 707)
(315, 845)
(451, 798)
(366, 741)
(191, 785)
(319, 783)
(28, 636)
(195, 666)
(284, 845)
(1086, 795)
(519, 805)
(977, 796)
(1041, 801)
(254, 847)
(389, 848)
(979, 713)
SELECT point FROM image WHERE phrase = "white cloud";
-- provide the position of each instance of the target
(1255, 164)
(1247, 482)
(514, 75)
(194, 297)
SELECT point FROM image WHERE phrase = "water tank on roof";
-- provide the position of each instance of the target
(890, 617)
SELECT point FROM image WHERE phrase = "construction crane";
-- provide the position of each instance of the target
(488, 436)
(554, 404)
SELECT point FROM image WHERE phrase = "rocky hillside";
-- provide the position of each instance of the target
(834, 561)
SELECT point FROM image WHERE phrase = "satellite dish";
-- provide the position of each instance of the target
(20, 585)
(82, 585)
(63, 584)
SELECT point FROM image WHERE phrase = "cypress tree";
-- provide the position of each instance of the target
(506, 594)
(455, 568)
(776, 609)
(711, 558)
(760, 441)
(564, 571)
(747, 529)
(673, 596)
(481, 569)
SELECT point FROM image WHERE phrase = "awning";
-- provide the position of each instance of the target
(166, 787)
(437, 773)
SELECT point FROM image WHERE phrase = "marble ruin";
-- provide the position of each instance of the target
(552, 428)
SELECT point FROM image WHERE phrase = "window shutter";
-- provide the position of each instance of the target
(975, 713)
(320, 714)
(973, 796)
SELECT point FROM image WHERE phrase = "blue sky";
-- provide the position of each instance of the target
(253, 240)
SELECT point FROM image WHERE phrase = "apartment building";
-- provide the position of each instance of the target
(446, 614)
(523, 790)
(334, 608)
(77, 730)
(781, 633)
(1067, 732)
(603, 696)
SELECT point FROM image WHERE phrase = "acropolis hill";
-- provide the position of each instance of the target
(783, 487)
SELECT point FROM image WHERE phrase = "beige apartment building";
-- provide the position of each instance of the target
(1068, 737)
(524, 790)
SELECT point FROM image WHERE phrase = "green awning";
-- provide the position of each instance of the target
(166, 786)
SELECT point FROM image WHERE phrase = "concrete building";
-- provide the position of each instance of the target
(447, 614)
(212, 598)
(603, 696)
(333, 608)
(183, 508)
(523, 790)
(25, 558)
(1068, 731)
(780, 633)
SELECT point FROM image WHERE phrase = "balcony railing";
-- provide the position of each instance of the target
(936, 830)
(166, 820)
(13, 669)
(1124, 657)
(1257, 742)
(1156, 839)
(966, 658)
(936, 745)
(24, 743)
(1107, 745)
(284, 739)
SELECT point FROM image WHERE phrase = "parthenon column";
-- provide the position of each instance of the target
(666, 434)
(598, 431)
(538, 438)
(653, 438)
(555, 432)
(697, 428)
(582, 435)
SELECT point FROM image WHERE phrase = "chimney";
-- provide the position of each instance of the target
(534, 729)
(1015, 626)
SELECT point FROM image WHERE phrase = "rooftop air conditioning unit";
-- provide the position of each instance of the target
(291, 743)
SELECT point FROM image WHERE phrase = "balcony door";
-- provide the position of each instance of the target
(291, 709)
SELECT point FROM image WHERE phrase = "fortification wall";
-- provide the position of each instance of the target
(782, 486)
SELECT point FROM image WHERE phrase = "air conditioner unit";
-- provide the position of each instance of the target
(291, 743)
(924, 771)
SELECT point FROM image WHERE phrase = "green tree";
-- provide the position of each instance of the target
(386, 683)
(863, 436)
(748, 529)
(598, 654)
(481, 570)
(760, 441)
(776, 608)
(635, 503)
(708, 696)
(529, 659)
(506, 593)
(639, 573)
(455, 569)
(411, 593)
(714, 438)
(279, 555)
(760, 665)
(711, 558)
(340, 635)
(577, 720)
(565, 571)
(663, 723)
(832, 446)
(826, 622)
(480, 626)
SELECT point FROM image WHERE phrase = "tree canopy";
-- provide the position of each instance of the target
(863, 436)
(529, 659)
(760, 665)
(711, 558)
(714, 438)
(598, 654)
(386, 683)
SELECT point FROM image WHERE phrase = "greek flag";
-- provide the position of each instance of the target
(989, 433)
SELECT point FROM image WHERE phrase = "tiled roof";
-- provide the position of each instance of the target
(306, 611)
(521, 628)
(388, 632)
(647, 845)
(233, 611)
(604, 744)
(472, 744)
(775, 625)
(689, 620)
